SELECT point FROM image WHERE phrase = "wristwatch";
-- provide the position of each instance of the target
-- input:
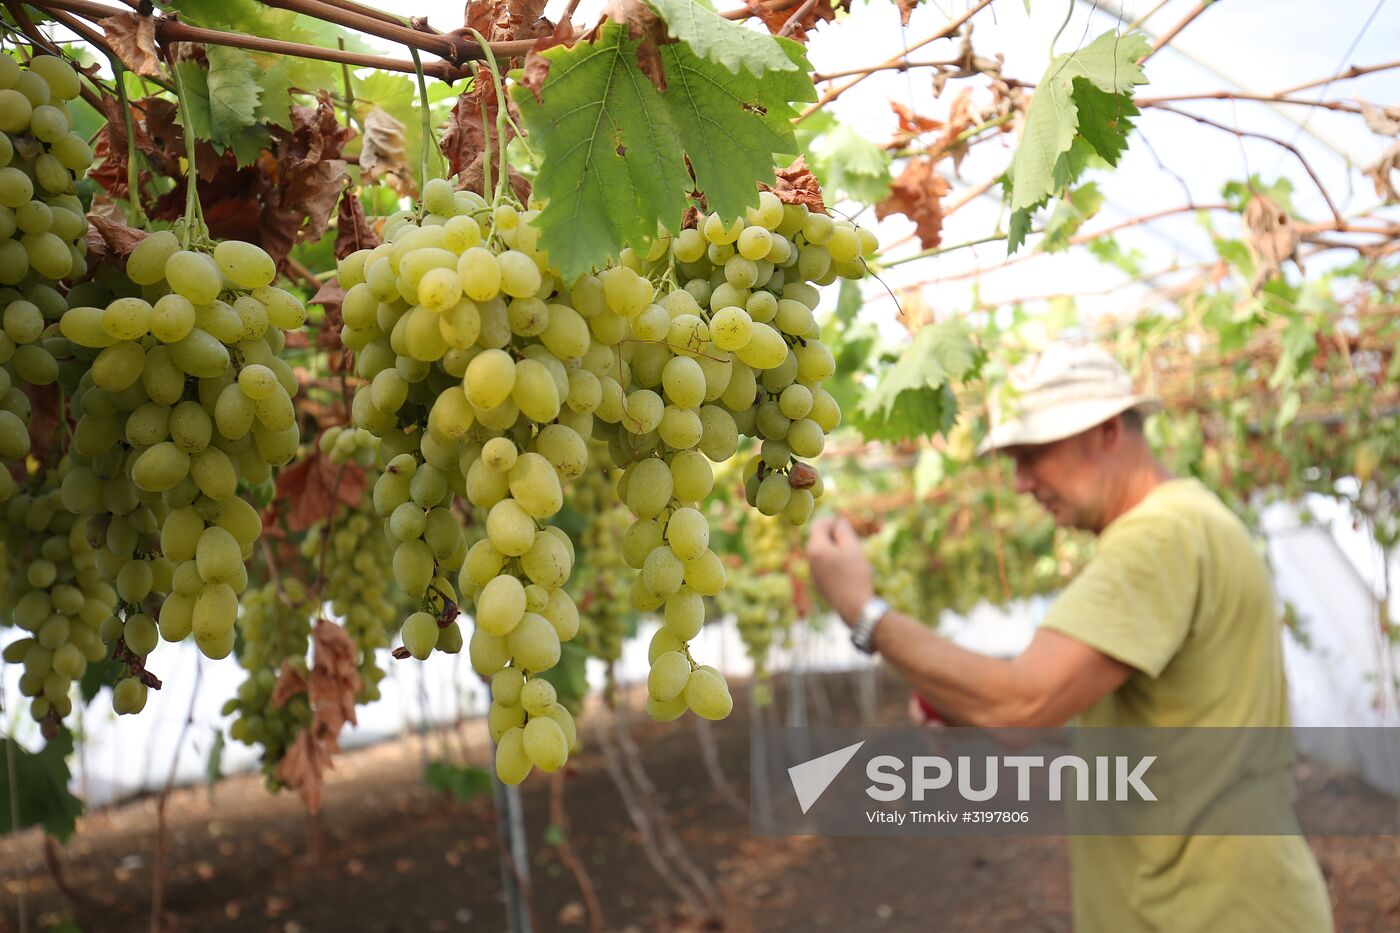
(863, 632)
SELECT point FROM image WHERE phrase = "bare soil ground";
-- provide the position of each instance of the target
(387, 853)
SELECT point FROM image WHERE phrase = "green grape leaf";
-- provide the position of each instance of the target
(234, 91)
(716, 39)
(41, 787)
(611, 164)
(847, 161)
(275, 86)
(1070, 214)
(1084, 97)
(915, 396)
(1105, 120)
(730, 125)
(223, 102)
(614, 148)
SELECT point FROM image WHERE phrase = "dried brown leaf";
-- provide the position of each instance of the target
(335, 681)
(1381, 174)
(133, 38)
(303, 768)
(906, 10)
(353, 231)
(110, 239)
(383, 154)
(774, 20)
(309, 490)
(797, 185)
(644, 25)
(918, 194)
(1385, 121)
(1272, 238)
(290, 683)
(536, 68)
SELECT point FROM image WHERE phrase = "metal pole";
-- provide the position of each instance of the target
(510, 824)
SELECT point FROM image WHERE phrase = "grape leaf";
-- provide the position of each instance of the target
(615, 148)
(1070, 214)
(716, 39)
(1085, 95)
(847, 161)
(731, 124)
(611, 164)
(41, 787)
(223, 102)
(915, 397)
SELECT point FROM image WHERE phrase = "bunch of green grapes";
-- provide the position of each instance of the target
(359, 592)
(902, 570)
(187, 396)
(348, 444)
(600, 584)
(469, 391)
(42, 228)
(760, 594)
(276, 626)
(735, 350)
(59, 595)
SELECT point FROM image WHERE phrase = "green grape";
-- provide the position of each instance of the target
(688, 533)
(537, 697)
(534, 643)
(244, 264)
(128, 696)
(194, 275)
(544, 744)
(707, 695)
(668, 677)
(420, 634)
(500, 606)
(513, 763)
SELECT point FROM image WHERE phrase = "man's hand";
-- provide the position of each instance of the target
(839, 568)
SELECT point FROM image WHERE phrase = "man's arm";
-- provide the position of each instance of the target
(1049, 683)
(1053, 680)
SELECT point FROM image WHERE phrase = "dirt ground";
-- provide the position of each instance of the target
(387, 853)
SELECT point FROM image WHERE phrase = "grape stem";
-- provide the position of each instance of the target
(426, 116)
(502, 182)
(194, 228)
(133, 175)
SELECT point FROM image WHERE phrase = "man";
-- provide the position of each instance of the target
(1172, 623)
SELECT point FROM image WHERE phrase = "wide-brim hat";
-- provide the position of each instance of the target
(1059, 393)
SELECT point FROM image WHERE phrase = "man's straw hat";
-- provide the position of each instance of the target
(1060, 392)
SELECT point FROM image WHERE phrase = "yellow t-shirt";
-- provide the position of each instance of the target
(1177, 590)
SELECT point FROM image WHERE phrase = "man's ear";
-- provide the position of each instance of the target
(1111, 432)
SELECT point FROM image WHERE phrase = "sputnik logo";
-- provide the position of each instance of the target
(811, 778)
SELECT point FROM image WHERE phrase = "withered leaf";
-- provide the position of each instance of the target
(133, 38)
(111, 239)
(1272, 238)
(383, 154)
(307, 488)
(797, 185)
(1381, 174)
(918, 194)
(353, 231)
(335, 681)
(649, 29)
(812, 17)
(303, 768)
(290, 683)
